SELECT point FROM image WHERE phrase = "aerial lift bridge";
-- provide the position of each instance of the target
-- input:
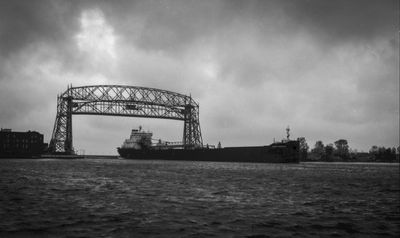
(127, 101)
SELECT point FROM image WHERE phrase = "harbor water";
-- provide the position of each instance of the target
(131, 198)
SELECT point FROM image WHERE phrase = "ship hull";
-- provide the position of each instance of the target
(276, 153)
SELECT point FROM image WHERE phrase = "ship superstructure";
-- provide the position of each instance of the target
(138, 140)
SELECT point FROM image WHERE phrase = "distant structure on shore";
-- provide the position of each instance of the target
(15, 144)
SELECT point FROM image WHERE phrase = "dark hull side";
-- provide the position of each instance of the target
(8, 155)
(276, 153)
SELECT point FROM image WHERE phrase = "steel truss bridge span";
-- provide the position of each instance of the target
(127, 101)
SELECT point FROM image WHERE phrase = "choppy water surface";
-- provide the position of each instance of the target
(128, 198)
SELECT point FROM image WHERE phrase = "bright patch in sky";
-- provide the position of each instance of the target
(96, 36)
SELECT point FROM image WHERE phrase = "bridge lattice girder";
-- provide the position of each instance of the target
(130, 101)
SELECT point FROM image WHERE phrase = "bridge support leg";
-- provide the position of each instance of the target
(61, 140)
(186, 131)
(187, 128)
(68, 139)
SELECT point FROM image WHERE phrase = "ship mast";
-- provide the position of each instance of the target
(287, 132)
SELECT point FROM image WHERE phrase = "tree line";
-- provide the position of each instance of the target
(341, 151)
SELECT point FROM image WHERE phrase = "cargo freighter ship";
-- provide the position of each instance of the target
(140, 146)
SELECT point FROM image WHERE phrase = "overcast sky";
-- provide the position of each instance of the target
(328, 69)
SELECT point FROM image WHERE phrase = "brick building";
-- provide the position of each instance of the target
(20, 144)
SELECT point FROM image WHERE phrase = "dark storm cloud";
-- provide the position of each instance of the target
(342, 20)
(27, 22)
(172, 25)
(247, 35)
